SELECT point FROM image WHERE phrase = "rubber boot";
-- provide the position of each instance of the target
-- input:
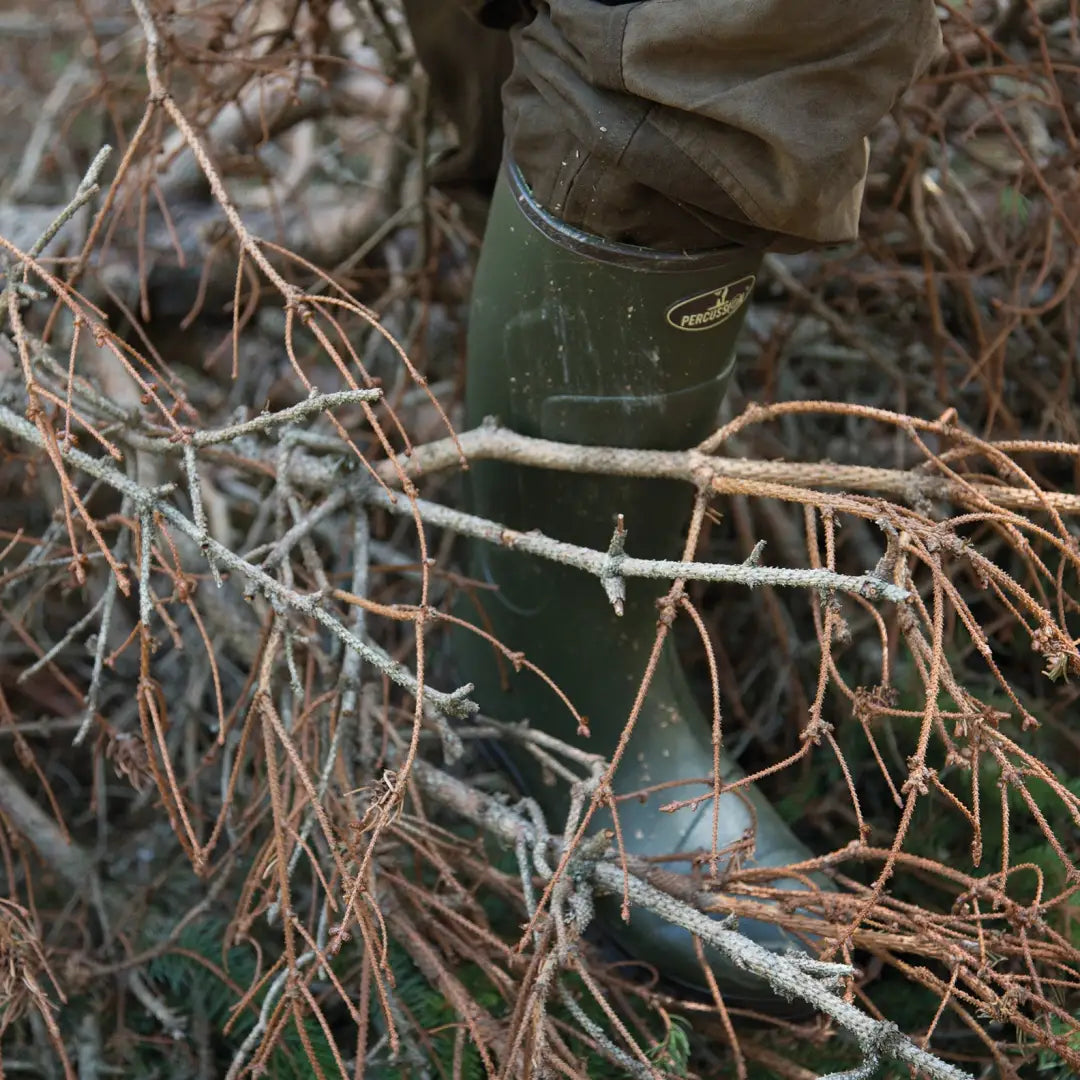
(577, 339)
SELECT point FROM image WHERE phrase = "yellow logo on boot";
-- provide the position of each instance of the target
(709, 309)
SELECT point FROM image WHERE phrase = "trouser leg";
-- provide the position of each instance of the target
(679, 124)
(467, 65)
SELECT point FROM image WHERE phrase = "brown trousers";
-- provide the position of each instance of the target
(677, 124)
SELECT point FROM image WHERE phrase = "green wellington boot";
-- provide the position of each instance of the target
(578, 339)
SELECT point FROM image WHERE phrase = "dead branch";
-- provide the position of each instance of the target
(492, 443)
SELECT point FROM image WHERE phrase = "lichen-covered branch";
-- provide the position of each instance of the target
(789, 978)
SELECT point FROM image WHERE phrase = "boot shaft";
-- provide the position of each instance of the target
(577, 339)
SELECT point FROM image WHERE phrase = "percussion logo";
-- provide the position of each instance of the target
(709, 309)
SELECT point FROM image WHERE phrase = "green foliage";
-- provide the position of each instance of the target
(425, 1006)
(1015, 205)
(673, 1054)
(182, 980)
(1049, 1064)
